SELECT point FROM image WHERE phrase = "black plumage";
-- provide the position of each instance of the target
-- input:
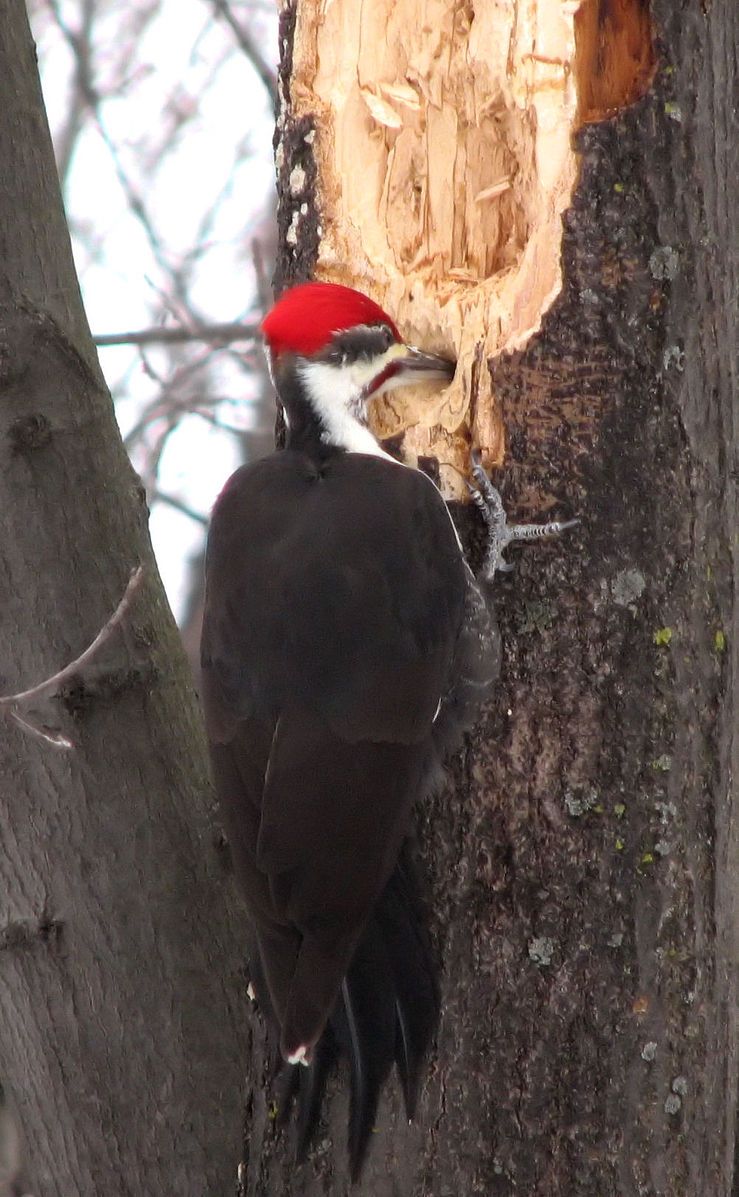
(345, 643)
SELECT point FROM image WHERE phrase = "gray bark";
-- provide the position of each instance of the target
(122, 1007)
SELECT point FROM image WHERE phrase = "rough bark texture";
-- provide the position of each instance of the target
(121, 1016)
(584, 855)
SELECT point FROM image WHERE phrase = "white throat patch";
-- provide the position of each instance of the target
(336, 395)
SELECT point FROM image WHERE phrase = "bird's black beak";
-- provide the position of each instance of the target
(405, 365)
(414, 365)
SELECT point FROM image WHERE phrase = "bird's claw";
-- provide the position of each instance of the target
(500, 532)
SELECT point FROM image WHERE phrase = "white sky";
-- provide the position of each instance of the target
(183, 61)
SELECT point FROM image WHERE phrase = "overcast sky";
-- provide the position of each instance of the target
(184, 126)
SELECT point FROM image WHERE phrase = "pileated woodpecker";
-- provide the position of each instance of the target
(345, 642)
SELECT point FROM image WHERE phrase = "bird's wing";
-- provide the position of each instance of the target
(342, 592)
(333, 607)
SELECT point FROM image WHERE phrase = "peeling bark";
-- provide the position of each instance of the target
(584, 855)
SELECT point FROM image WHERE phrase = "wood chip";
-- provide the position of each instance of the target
(491, 192)
(381, 111)
(402, 93)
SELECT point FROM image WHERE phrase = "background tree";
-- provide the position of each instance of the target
(122, 1004)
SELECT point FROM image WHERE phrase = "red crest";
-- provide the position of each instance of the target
(306, 317)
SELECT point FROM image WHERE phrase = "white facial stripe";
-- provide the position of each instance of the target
(336, 394)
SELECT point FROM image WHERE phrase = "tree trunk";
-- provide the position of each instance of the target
(583, 858)
(122, 1020)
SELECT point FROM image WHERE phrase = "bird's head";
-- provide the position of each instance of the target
(332, 349)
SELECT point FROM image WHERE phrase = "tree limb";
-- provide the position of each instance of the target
(247, 45)
(225, 333)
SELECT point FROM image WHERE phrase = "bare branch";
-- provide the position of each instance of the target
(175, 400)
(248, 47)
(182, 357)
(179, 505)
(10, 703)
(224, 334)
(87, 89)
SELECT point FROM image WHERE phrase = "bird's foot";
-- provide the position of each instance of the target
(500, 532)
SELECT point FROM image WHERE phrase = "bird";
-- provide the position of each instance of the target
(346, 645)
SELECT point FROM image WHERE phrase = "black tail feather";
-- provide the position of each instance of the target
(417, 1000)
(287, 1090)
(386, 1013)
(364, 1024)
(311, 1087)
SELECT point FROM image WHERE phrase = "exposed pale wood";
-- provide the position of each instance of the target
(443, 137)
(445, 163)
